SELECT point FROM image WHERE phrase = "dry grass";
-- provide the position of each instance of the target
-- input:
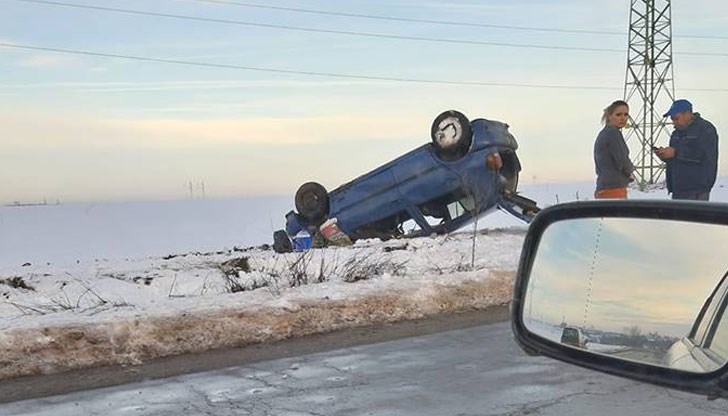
(57, 349)
(16, 282)
(364, 266)
(88, 301)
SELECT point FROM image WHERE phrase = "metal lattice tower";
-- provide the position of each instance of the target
(648, 86)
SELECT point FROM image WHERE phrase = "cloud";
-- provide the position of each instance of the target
(45, 61)
(530, 13)
(83, 130)
(185, 85)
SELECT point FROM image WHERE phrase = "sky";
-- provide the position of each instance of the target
(261, 99)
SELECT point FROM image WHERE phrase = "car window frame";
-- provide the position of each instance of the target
(717, 320)
(699, 334)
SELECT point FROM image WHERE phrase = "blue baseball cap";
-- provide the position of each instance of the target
(678, 106)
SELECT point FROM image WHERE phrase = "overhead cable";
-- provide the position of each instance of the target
(438, 22)
(326, 74)
(296, 72)
(344, 32)
(328, 31)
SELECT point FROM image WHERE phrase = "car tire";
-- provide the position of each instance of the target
(451, 135)
(281, 242)
(312, 203)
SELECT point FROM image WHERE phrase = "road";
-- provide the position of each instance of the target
(472, 370)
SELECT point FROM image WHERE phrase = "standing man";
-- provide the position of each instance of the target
(692, 157)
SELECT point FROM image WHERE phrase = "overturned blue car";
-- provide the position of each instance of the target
(469, 169)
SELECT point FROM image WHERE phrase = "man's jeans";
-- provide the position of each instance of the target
(696, 196)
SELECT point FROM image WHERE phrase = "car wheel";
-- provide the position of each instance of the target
(312, 203)
(451, 134)
(281, 242)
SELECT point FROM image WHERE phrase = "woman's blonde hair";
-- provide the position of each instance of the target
(611, 108)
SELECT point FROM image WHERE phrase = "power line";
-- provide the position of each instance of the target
(437, 22)
(303, 29)
(323, 74)
(342, 32)
(411, 20)
(294, 72)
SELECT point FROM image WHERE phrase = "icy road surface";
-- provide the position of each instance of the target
(474, 371)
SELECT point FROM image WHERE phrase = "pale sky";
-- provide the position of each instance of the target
(77, 127)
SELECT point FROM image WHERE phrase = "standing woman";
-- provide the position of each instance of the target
(611, 155)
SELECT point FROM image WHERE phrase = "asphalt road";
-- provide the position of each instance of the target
(472, 370)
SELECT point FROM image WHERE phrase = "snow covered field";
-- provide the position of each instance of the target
(119, 283)
(67, 233)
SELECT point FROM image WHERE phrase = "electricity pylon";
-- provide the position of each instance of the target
(648, 86)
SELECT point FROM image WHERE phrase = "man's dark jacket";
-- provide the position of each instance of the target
(695, 165)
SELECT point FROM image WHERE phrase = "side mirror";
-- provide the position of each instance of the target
(644, 281)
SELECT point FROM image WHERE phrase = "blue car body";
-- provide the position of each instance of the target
(438, 194)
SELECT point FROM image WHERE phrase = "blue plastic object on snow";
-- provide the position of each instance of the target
(302, 241)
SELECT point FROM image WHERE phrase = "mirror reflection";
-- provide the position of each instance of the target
(646, 290)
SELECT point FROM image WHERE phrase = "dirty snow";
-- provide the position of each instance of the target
(90, 284)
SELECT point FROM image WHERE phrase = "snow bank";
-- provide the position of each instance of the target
(127, 312)
(94, 284)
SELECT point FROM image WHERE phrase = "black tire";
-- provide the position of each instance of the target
(451, 134)
(281, 242)
(312, 203)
